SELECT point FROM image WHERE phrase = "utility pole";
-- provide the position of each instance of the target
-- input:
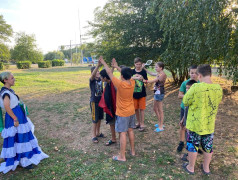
(80, 36)
(71, 53)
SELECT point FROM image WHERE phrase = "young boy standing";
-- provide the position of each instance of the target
(184, 119)
(108, 103)
(96, 88)
(182, 91)
(203, 99)
(125, 110)
(139, 94)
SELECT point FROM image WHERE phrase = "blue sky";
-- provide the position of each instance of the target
(53, 22)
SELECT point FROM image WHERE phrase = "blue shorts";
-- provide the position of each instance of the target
(159, 97)
(124, 123)
(181, 113)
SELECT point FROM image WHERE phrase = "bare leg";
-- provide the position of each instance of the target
(181, 134)
(94, 129)
(132, 141)
(122, 155)
(156, 110)
(192, 160)
(113, 132)
(161, 112)
(142, 113)
(206, 162)
(98, 127)
(138, 116)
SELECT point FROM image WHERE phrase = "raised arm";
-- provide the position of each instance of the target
(109, 71)
(93, 75)
(115, 65)
(149, 72)
(162, 77)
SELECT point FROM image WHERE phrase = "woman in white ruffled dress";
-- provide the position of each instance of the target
(20, 146)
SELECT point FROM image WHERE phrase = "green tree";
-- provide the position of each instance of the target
(54, 55)
(26, 49)
(124, 29)
(231, 60)
(4, 53)
(5, 32)
(195, 32)
(76, 58)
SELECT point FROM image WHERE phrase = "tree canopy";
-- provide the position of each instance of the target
(26, 48)
(5, 33)
(123, 29)
(54, 55)
(178, 32)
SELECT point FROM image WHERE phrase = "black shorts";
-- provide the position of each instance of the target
(110, 120)
(97, 112)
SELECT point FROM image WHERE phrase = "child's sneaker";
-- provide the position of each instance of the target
(180, 146)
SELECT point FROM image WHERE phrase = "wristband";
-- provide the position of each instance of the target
(15, 119)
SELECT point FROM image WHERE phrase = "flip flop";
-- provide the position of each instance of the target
(115, 158)
(101, 135)
(110, 142)
(186, 169)
(137, 126)
(204, 172)
(141, 129)
(95, 140)
(156, 125)
(158, 130)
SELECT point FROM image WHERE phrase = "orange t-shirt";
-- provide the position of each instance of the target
(124, 103)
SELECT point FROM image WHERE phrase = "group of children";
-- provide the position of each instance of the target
(124, 101)
(200, 100)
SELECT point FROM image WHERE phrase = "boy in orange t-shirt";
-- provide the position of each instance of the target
(125, 110)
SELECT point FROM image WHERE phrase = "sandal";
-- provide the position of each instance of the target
(101, 135)
(95, 140)
(186, 169)
(204, 172)
(115, 158)
(110, 142)
(137, 126)
(158, 130)
(156, 125)
(141, 129)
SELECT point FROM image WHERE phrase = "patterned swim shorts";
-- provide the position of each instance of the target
(194, 140)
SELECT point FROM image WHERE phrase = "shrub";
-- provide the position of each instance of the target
(1, 65)
(6, 65)
(58, 62)
(44, 64)
(23, 64)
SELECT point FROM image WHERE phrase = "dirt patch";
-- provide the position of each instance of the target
(67, 116)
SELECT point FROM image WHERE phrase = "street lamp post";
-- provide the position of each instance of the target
(71, 54)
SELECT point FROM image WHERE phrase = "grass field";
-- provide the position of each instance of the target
(58, 103)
